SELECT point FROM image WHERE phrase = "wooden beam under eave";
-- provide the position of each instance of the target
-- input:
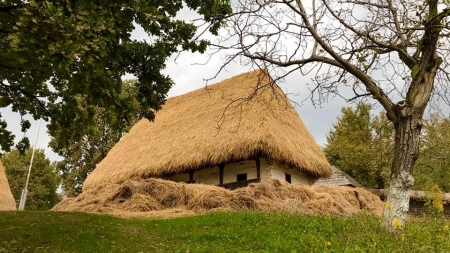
(191, 176)
(258, 168)
(221, 168)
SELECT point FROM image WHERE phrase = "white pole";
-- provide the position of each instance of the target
(23, 198)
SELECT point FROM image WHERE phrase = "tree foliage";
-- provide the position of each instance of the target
(81, 156)
(56, 54)
(43, 183)
(432, 167)
(361, 145)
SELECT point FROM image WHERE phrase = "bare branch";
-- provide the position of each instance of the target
(371, 47)
(368, 82)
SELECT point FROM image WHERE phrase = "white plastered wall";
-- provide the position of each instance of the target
(279, 171)
(211, 175)
(268, 169)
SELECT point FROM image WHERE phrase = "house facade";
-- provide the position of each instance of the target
(240, 174)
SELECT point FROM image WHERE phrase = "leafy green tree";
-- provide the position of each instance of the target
(361, 145)
(81, 156)
(57, 54)
(434, 162)
(43, 183)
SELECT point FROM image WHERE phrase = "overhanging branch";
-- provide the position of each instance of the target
(29, 95)
(370, 84)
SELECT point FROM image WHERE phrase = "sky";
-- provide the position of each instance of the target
(188, 75)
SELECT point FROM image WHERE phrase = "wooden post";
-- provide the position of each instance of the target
(191, 176)
(221, 167)
(258, 168)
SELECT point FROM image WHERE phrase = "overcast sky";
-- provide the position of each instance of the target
(188, 76)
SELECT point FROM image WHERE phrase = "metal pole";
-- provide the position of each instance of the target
(23, 198)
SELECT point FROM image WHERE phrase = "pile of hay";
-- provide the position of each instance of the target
(7, 202)
(269, 196)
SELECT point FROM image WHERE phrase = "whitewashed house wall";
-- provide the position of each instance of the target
(268, 169)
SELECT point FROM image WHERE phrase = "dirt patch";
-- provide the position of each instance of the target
(157, 198)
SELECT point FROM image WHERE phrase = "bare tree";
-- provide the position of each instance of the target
(394, 51)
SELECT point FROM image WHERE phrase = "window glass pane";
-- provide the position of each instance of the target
(241, 177)
(288, 178)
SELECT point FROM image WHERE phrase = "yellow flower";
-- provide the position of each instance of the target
(435, 198)
(397, 223)
(328, 244)
(403, 237)
(438, 206)
(445, 228)
(388, 206)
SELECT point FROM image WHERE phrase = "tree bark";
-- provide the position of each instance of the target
(407, 134)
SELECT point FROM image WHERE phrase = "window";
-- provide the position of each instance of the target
(288, 177)
(241, 177)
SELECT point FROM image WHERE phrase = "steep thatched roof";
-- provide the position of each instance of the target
(7, 202)
(338, 177)
(212, 125)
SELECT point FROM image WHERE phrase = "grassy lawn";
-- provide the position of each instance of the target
(216, 232)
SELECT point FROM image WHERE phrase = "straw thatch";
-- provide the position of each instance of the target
(151, 195)
(7, 202)
(338, 177)
(212, 125)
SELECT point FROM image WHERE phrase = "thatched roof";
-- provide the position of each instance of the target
(7, 202)
(212, 125)
(338, 177)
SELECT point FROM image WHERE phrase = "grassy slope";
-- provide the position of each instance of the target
(216, 232)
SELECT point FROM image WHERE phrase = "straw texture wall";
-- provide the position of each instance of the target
(7, 202)
(233, 120)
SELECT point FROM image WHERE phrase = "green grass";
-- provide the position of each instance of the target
(216, 232)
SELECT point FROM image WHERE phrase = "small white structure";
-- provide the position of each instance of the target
(338, 177)
(239, 131)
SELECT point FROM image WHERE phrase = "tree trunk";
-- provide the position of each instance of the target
(406, 151)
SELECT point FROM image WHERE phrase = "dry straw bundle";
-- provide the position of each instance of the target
(269, 196)
(7, 202)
